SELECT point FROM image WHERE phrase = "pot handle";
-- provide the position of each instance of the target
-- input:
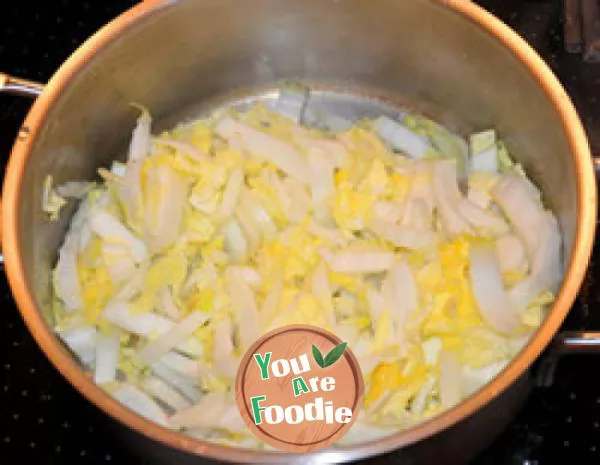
(565, 343)
(572, 342)
(17, 86)
(24, 88)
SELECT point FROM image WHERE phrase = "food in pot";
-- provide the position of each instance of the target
(431, 255)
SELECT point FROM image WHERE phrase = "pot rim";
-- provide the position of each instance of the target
(70, 369)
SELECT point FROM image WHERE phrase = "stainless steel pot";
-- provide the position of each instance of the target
(448, 57)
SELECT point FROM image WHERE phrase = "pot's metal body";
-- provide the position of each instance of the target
(175, 56)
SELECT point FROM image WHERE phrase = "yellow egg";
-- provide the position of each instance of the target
(384, 377)
(270, 261)
(302, 252)
(341, 176)
(200, 300)
(307, 311)
(293, 257)
(360, 322)
(453, 310)
(202, 138)
(96, 290)
(351, 208)
(400, 186)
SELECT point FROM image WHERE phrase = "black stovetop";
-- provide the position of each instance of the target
(43, 421)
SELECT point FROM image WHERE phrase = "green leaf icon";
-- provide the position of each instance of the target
(335, 354)
(332, 357)
(318, 356)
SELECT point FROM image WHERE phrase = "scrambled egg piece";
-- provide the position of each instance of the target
(401, 383)
(293, 256)
(352, 208)
(454, 316)
(306, 311)
(385, 377)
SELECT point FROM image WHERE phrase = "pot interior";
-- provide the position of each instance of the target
(363, 57)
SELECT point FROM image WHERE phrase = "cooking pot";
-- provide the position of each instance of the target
(448, 58)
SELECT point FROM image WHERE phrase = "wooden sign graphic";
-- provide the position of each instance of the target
(299, 388)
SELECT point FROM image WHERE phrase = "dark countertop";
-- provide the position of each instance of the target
(43, 421)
